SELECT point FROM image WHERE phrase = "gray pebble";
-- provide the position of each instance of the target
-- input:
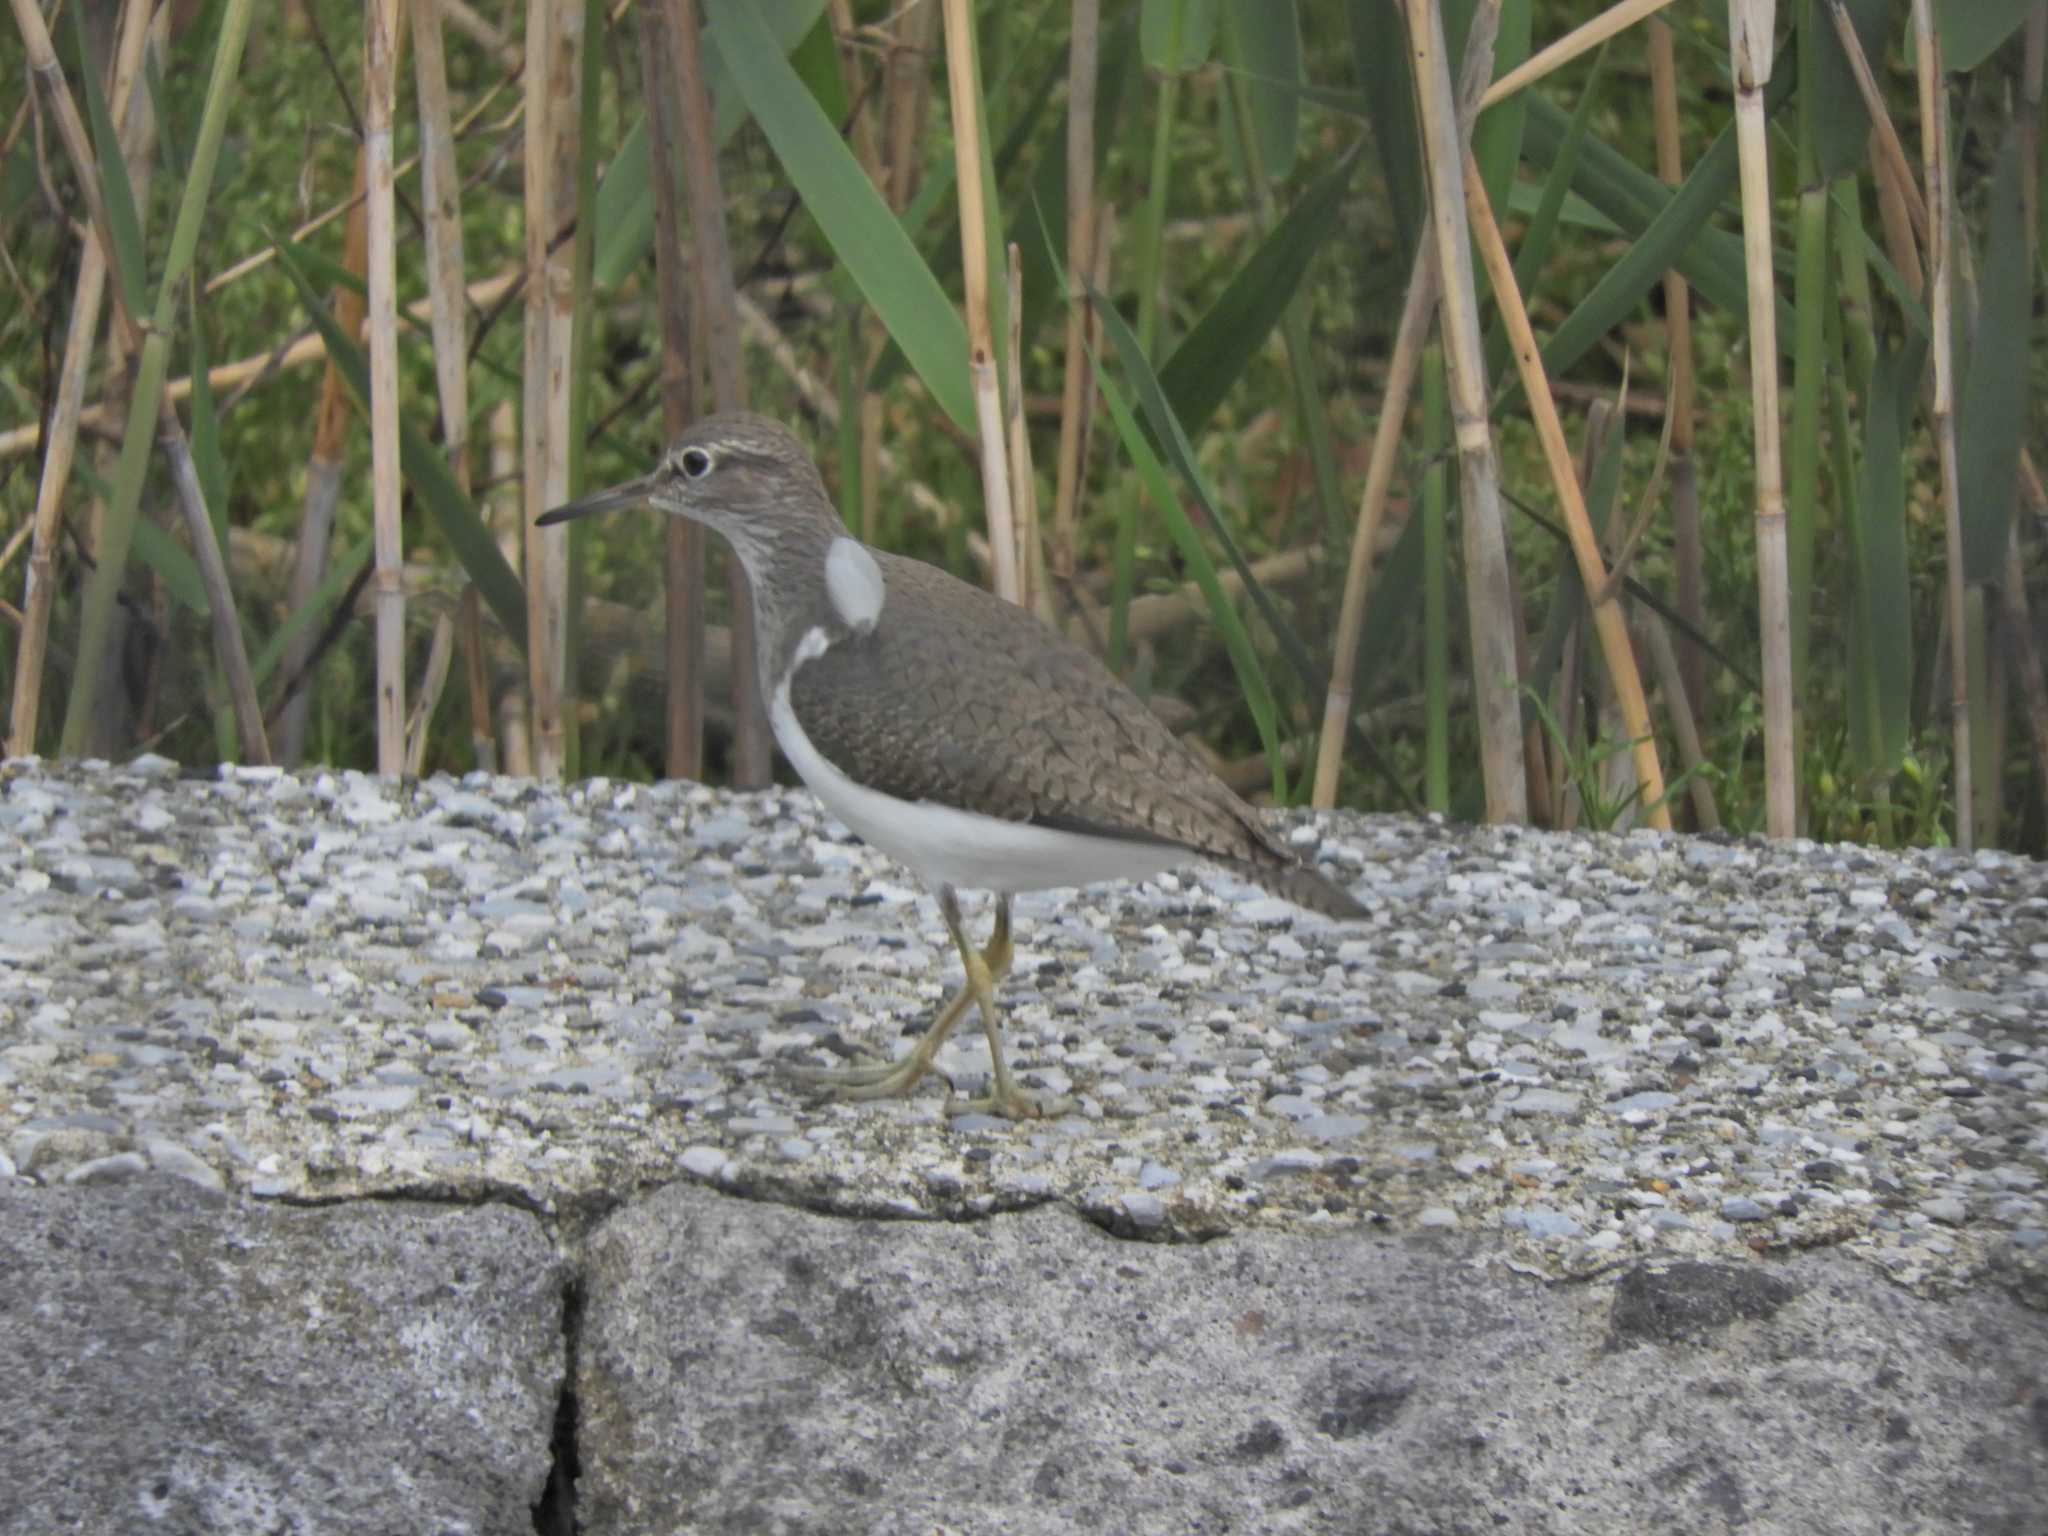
(107, 1170)
(1147, 1212)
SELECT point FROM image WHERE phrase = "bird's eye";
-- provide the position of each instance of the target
(696, 463)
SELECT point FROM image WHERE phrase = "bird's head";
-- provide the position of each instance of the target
(745, 477)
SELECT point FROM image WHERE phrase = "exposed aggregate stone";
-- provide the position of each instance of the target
(320, 985)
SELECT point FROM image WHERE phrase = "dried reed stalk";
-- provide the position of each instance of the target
(505, 457)
(965, 96)
(867, 149)
(147, 339)
(244, 372)
(1940, 285)
(380, 94)
(1687, 552)
(1032, 590)
(550, 85)
(39, 591)
(1691, 753)
(752, 763)
(1365, 535)
(2019, 625)
(333, 418)
(1489, 599)
(1609, 622)
(1076, 391)
(258, 259)
(1749, 28)
(917, 26)
(1581, 39)
(1886, 144)
(441, 198)
(683, 540)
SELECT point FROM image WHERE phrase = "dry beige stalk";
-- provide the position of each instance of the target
(1581, 39)
(441, 198)
(752, 763)
(1032, 591)
(1490, 598)
(683, 540)
(40, 588)
(1886, 143)
(544, 460)
(974, 254)
(1609, 622)
(1076, 391)
(381, 22)
(1940, 288)
(1749, 27)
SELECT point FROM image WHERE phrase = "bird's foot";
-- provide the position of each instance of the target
(883, 1080)
(1016, 1104)
(893, 1080)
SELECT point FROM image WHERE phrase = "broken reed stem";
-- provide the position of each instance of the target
(1609, 623)
(440, 653)
(1372, 506)
(1691, 752)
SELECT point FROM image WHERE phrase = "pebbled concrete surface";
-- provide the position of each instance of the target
(747, 1367)
(176, 1361)
(1593, 1185)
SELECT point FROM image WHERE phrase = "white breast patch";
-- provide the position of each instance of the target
(854, 583)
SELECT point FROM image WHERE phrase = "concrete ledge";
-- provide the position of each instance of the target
(394, 1157)
(748, 1368)
(181, 1361)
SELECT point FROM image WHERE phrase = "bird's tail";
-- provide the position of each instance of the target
(1303, 886)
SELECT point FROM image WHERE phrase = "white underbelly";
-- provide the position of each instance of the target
(965, 849)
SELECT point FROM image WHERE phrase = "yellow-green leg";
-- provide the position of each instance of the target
(985, 969)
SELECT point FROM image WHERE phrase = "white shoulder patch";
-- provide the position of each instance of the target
(854, 583)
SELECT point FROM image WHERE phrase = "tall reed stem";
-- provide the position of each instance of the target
(1749, 26)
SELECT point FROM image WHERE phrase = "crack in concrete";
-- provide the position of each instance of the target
(554, 1514)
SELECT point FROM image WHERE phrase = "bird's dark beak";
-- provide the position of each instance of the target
(631, 494)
